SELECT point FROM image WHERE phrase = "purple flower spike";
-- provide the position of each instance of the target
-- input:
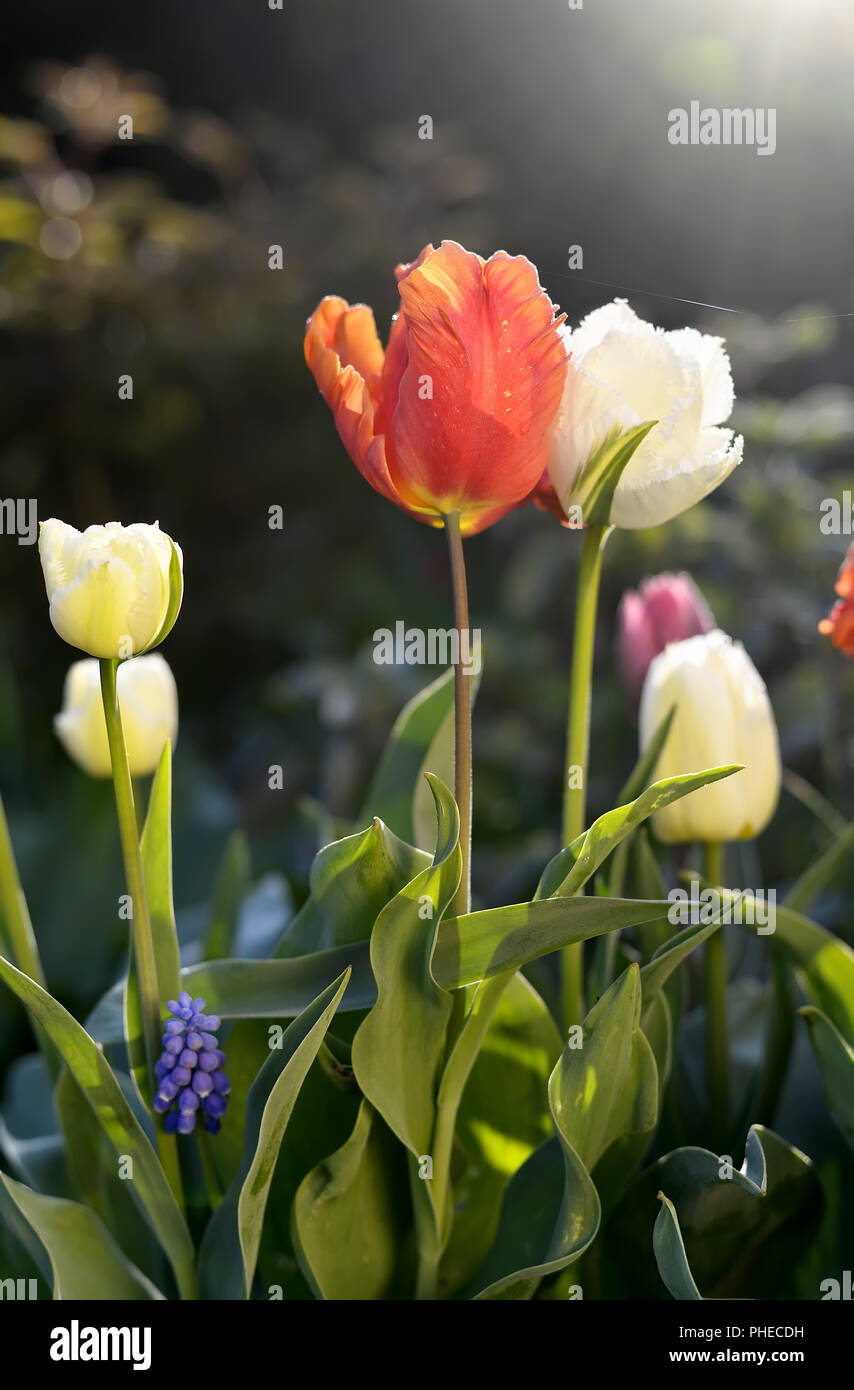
(189, 1070)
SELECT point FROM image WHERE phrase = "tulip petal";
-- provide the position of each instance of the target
(665, 489)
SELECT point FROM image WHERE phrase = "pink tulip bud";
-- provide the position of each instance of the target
(666, 609)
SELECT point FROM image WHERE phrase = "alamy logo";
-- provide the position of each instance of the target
(19, 517)
(76, 1343)
(745, 907)
(728, 125)
(435, 646)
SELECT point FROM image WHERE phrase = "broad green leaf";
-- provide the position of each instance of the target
(593, 491)
(836, 1064)
(351, 882)
(400, 769)
(482, 944)
(96, 1079)
(573, 866)
(742, 1229)
(349, 1214)
(670, 1256)
(229, 1249)
(668, 957)
(398, 1049)
(439, 762)
(232, 885)
(85, 1261)
(503, 1117)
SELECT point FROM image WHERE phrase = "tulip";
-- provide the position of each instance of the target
(624, 372)
(114, 590)
(723, 716)
(148, 703)
(451, 418)
(667, 609)
(839, 624)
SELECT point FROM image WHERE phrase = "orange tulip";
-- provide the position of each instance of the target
(452, 416)
(839, 624)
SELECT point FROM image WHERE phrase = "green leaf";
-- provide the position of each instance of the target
(836, 1064)
(351, 882)
(743, 1229)
(156, 853)
(670, 1254)
(232, 885)
(503, 1117)
(646, 764)
(574, 865)
(85, 1261)
(806, 889)
(398, 1049)
(594, 489)
(672, 953)
(482, 944)
(96, 1079)
(349, 1214)
(229, 1249)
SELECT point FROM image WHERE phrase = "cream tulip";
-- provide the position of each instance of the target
(622, 372)
(723, 715)
(148, 702)
(114, 590)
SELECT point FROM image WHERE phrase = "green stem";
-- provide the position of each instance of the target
(22, 940)
(716, 1024)
(212, 1184)
(779, 1042)
(462, 714)
(578, 746)
(143, 942)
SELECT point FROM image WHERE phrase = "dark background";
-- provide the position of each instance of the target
(300, 127)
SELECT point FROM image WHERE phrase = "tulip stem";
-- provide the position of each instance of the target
(716, 1024)
(143, 944)
(578, 746)
(462, 712)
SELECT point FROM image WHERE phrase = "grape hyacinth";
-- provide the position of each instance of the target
(189, 1072)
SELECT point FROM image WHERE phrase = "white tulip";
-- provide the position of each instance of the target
(148, 703)
(624, 371)
(723, 715)
(110, 587)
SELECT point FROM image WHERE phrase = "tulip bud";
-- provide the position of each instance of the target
(148, 703)
(666, 609)
(114, 590)
(723, 716)
(623, 372)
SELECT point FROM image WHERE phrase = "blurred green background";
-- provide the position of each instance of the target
(299, 127)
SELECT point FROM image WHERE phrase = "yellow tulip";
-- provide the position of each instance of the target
(148, 703)
(114, 590)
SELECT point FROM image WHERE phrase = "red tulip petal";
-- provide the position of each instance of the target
(484, 335)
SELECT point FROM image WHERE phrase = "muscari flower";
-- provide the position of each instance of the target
(189, 1071)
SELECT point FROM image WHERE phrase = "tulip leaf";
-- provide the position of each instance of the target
(398, 1048)
(574, 865)
(740, 1228)
(503, 1117)
(351, 882)
(482, 944)
(156, 853)
(229, 1249)
(176, 595)
(671, 954)
(593, 490)
(231, 887)
(670, 1255)
(85, 1261)
(96, 1079)
(639, 778)
(805, 889)
(349, 1213)
(836, 1063)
